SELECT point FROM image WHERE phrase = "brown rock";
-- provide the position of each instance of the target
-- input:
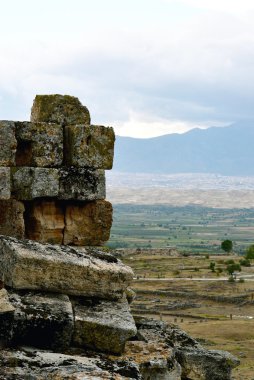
(26, 264)
(87, 223)
(11, 218)
(62, 109)
(45, 221)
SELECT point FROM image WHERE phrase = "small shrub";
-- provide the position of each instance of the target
(231, 279)
(241, 280)
(245, 262)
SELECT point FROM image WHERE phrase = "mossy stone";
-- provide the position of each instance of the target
(60, 109)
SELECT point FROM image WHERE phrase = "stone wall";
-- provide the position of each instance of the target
(52, 174)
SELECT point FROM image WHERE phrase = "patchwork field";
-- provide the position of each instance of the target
(184, 290)
(188, 228)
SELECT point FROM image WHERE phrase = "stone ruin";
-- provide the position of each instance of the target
(64, 303)
(52, 175)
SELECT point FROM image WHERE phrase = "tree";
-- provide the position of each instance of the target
(212, 266)
(250, 252)
(227, 245)
(231, 268)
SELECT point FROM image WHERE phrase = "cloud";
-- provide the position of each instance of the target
(140, 68)
(227, 6)
(141, 126)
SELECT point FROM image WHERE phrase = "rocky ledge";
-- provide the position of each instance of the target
(157, 352)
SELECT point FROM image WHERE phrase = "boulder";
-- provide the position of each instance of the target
(8, 143)
(42, 320)
(45, 221)
(60, 109)
(201, 364)
(5, 183)
(6, 318)
(89, 146)
(11, 218)
(61, 269)
(30, 183)
(87, 223)
(39, 144)
(103, 325)
(81, 184)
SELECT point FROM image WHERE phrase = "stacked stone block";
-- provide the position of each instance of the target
(52, 174)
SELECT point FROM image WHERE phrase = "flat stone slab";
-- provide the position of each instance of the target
(31, 265)
(60, 109)
(90, 146)
(39, 144)
(42, 320)
(8, 143)
(5, 183)
(104, 325)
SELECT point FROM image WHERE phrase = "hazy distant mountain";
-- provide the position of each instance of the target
(227, 151)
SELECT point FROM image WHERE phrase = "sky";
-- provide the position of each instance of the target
(145, 67)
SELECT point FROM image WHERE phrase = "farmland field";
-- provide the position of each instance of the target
(188, 228)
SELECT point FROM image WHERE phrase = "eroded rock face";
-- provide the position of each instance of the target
(60, 109)
(5, 183)
(87, 223)
(61, 269)
(39, 144)
(81, 184)
(11, 218)
(42, 320)
(201, 364)
(90, 146)
(103, 325)
(6, 319)
(8, 143)
(45, 221)
(29, 183)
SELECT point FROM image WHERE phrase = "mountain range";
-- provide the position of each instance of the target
(223, 150)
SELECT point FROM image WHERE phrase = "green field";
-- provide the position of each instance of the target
(189, 228)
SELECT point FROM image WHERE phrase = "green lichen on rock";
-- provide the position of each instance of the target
(8, 143)
(61, 109)
(39, 144)
(90, 146)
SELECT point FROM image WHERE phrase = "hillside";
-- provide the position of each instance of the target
(227, 151)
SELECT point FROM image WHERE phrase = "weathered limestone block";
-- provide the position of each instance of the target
(61, 109)
(39, 144)
(5, 183)
(89, 146)
(6, 318)
(87, 223)
(104, 326)
(29, 363)
(44, 221)
(8, 143)
(29, 183)
(42, 320)
(11, 218)
(201, 364)
(61, 269)
(81, 184)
